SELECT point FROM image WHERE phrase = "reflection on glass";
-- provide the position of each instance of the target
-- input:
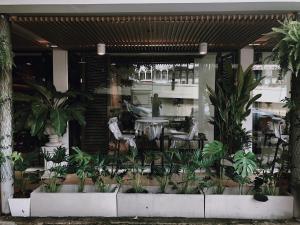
(268, 111)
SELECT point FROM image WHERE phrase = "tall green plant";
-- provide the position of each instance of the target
(287, 53)
(232, 102)
(50, 108)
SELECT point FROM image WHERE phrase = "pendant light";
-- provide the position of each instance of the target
(203, 48)
(101, 49)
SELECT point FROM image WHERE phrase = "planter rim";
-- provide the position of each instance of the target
(147, 187)
(38, 190)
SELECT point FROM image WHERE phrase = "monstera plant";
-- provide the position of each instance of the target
(245, 166)
(232, 101)
(47, 111)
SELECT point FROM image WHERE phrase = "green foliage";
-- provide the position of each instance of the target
(163, 174)
(58, 171)
(137, 170)
(50, 108)
(214, 150)
(23, 178)
(83, 165)
(232, 101)
(99, 172)
(287, 50)
(189, 164)
(245, 166)
(6, 55)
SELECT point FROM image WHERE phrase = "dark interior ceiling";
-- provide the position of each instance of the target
(142, 34)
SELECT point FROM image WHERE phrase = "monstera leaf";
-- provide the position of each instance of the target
(213, 150)
(244, 163)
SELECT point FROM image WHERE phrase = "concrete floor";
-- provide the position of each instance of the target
(134, 221)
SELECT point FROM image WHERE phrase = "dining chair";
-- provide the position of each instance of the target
(187, 137)
(118, 136)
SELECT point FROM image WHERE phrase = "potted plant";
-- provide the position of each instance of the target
(243, 204)
(48, 111)
(20, 204)
(98, 199)
(163, 200)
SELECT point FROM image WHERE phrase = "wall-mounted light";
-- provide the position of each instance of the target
(53, 46)
(203, 48)
(101, 49)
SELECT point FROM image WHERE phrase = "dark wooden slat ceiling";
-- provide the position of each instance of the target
(151, 33)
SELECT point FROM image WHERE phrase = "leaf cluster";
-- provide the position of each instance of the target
(287, 50)
(232, 102)
(48, 107)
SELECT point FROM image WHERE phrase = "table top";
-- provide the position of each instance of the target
(157, 120)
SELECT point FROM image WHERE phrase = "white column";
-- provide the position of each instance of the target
(246, 59)
(61, 83)
(205, 67)
(60, 79)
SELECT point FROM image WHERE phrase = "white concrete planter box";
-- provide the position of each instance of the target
(19, 207)
(154, 204)
(68, 202)
(246, 207)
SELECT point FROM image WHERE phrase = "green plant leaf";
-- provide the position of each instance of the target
(59, 121)
(244, 163)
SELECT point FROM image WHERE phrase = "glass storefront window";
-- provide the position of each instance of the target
(268, 111)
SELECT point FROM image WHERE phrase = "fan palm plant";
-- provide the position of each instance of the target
(287, 53)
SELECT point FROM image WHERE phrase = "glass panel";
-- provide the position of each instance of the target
(168, 91)
(268, 111)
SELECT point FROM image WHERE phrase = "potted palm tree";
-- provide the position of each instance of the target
(48, 111)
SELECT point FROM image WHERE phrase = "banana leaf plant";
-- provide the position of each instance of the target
(232, 102)
(49, 108)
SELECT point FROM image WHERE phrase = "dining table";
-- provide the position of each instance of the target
(152, 127)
